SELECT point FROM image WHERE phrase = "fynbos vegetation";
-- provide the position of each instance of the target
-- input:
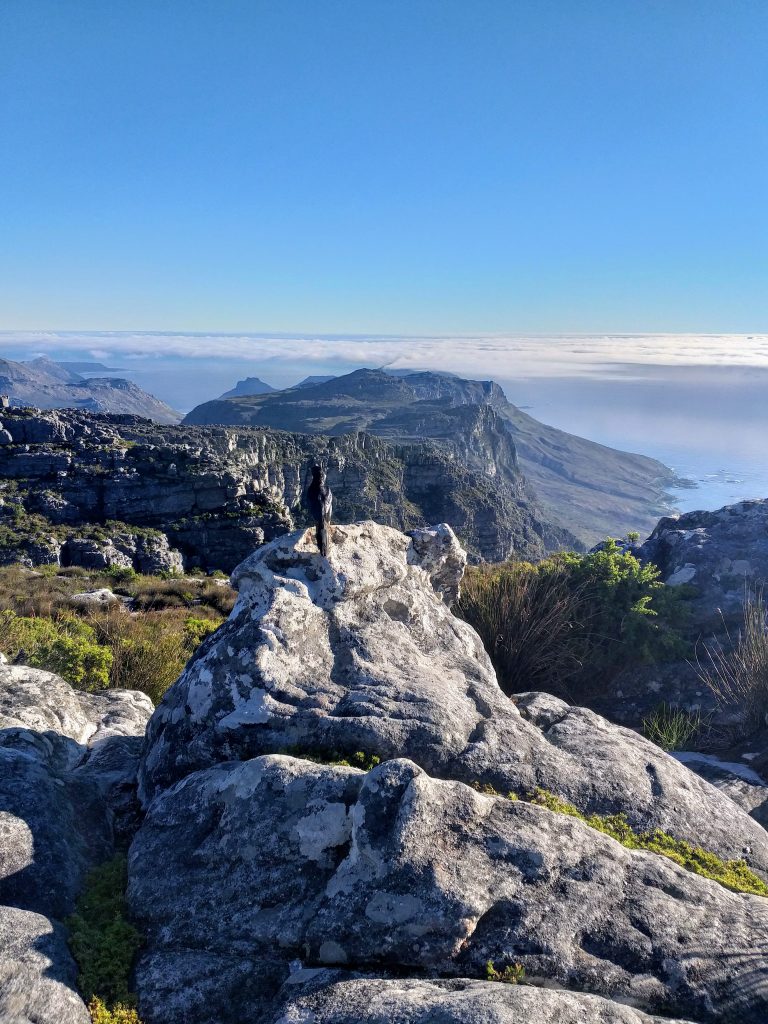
(569, 623)
(737, 673)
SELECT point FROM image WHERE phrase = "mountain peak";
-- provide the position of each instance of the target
(249, 386)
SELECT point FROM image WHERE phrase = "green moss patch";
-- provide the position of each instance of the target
(733, 874)
(359, 759)
(104, 944)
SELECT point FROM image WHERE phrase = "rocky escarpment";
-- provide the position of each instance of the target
(68, 765)
(276, 885)
(91, 490)
(587, 488)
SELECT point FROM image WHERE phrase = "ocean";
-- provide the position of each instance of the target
(709, 424)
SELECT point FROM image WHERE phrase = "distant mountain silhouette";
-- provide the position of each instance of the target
(46, 384)
(90, 369)
(249, 386)
(309, 382)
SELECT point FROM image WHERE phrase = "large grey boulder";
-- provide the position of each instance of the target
(330, 997)
(68, 763)
(67, 783)
(718, 553)
(37, 974)
(359, 652)
(280, 859)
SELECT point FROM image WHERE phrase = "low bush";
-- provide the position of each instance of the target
(359, 759)
(511, 974)
(571, 622)
(66, 645)
(119, 1014)
(93, 648)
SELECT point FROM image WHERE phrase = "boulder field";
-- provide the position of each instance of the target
(275, 883)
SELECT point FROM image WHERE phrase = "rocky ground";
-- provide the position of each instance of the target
(275, 882)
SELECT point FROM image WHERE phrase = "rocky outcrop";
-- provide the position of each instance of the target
(358, 652)
(107, 490)
(736, 779)
(276, 883)
(257, 865)
(717, 555)
(396, 869)
(68, 765)
(331, 997)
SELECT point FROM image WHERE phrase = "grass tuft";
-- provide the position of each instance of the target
(671, 727)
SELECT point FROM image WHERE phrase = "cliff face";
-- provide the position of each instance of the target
(589, 489)
(99, 490)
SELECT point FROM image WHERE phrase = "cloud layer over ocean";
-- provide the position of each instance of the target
(505, 356)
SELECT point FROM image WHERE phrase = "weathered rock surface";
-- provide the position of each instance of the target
(101, 598)
(281, 858)
(80, 489)
(359, 652)
(331, 997)
(737, 780)
(37, 974)
(720, 554)
(68, 764)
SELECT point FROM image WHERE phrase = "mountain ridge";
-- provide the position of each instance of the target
(45, 384)
(585, 487)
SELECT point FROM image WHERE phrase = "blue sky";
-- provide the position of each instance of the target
(393, 166)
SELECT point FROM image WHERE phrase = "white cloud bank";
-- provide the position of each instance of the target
(508, 356)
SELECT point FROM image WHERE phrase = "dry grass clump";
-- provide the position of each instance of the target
(149, 650)
(93, 648)
(528, 621)
(737, 672)
(154, 593)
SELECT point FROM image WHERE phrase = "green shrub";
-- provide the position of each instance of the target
(568, 624)
(512, 974)
(119, 1014)
(103, 942)
(66, 645)
(359, 759)
(120, 573)
(196, 630)
(672, 728)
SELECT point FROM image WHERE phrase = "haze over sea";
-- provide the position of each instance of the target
(698, 403)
